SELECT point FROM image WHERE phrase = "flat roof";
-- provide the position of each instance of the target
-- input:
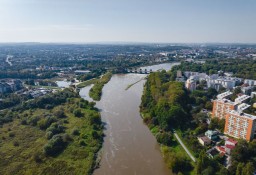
(223, 95)
(224, 100)
(241, 114)
(242, 98)
(242, 107)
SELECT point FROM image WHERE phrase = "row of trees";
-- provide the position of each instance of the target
(164, 107)
(165, 103)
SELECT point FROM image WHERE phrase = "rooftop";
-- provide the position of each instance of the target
(242, 107)
(230, 146)
(204, 139)
(242, 98)
(245, 115)
(232, 141)
(223, 95)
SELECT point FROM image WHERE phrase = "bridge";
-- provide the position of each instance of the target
(138, 71)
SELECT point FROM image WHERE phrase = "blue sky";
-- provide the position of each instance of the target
(171, 21)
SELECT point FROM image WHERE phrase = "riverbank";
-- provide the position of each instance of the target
(163, 108)
(96, 91)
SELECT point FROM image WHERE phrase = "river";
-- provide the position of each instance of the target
(129, 148)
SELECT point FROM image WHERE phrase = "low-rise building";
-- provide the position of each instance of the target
(213, 152)
(213, 135)
(204, 140)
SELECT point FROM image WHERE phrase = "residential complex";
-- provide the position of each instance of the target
(214, 81)
(221, 106)
(10, 85)
(240, 125)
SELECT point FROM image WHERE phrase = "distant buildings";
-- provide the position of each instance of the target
(250, 82)
(191, 84)
(180, 77)
(10, 86)
(215, 81)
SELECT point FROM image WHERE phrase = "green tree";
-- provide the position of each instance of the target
(248, 169)
(239, 169)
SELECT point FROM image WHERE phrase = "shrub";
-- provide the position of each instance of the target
(56, 128)
(164, 138)
(78, 113)
(94, 118)
(37, 157)
(45, 123)
(54, 146)
(15, 143)
(66, 138)
(33, 120)
(24, 122)
(59, 113)
(49, 135)
(75, 131)
(11, 134)
(82, 143)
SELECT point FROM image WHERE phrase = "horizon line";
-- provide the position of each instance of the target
(128, 42)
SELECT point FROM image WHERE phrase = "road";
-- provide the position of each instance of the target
(184, 147)
(8, 60)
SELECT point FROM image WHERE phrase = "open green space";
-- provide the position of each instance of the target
(63, 138)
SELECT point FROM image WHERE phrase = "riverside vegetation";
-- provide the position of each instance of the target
(166, 105)
(96, 91)
(55, 134)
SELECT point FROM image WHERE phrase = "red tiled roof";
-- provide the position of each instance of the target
(221, 149)
(230, 146)
(232, 141)
(222, 154)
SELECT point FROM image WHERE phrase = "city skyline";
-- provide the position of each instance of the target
(200, 21)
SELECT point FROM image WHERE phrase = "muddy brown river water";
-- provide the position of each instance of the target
(129, 148)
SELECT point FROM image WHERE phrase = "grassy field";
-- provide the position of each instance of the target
(22, 141)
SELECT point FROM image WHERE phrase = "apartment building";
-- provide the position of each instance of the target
(222, 106)
(191, 84)
(240, 125)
